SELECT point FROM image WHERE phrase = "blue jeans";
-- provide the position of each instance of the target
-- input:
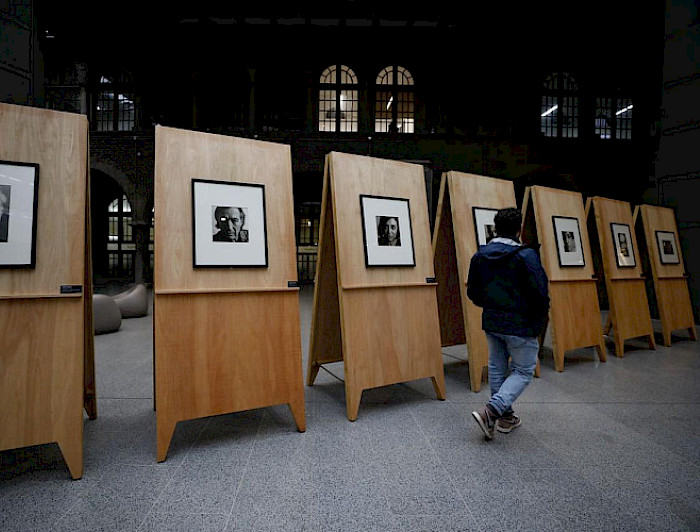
(522, 352)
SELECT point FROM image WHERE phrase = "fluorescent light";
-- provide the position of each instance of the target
(618, 113)
(389, 104)
(550, 111)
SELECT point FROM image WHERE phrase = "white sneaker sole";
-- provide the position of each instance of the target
(506, 431)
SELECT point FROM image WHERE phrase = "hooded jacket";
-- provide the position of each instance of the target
(508, 281)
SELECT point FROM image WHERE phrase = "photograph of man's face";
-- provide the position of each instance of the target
(569, 242)
(490, 231)
(388, 233)
(668, 247)
(624, 248)
(229, 224)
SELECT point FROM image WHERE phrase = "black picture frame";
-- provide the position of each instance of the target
(624, 248)
(19, 207)
(214, 247)
(567, 237)
(668, 247)
(378, 253)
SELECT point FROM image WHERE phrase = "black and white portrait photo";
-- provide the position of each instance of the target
(569, 241)
(388, 232)
(624, 248)
(229, 224)
(567, 234)
(5, 191)
(484, 226)
(668, 248)
(19, 195)
(225, 213)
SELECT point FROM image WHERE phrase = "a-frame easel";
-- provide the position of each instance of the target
(381, 322)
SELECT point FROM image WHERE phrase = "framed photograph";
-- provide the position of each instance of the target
(19, 194)
(483, 224)
(668, 248)
(624, 249)
(387, 232)
(229, 224)
(567, 235)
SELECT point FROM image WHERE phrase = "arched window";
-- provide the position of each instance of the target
(560, 107)
(120, 239)
(613, 118)
(338, 98)
(394, 108)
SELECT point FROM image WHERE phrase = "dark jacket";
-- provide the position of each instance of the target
(511, 285)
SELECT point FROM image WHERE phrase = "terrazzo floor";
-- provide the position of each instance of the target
(603, 446)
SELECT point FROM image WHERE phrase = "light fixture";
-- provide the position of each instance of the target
(618, 113)
(389, 104)
(550, 111)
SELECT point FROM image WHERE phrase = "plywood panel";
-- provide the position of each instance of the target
(352, 175)
(45, 345)
(575, 318)
(226, 339)
(674, 307)
(661, 219)
(388, 316)
(184, 155)
(549, 202)
(57, 142)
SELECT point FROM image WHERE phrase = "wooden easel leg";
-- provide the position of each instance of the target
(652, 342)
(164, 433)
(476, 374)
(439, 385)
(619, 347)
(312, 373)
(352, 401)
(601, 350)
(608, 325)
(693, 333)
(72, 451)
(558, 360)
(298, 412)
(667, 337)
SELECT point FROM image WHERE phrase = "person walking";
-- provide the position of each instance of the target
(508, 281)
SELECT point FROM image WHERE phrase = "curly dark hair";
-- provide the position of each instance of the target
(508, 222)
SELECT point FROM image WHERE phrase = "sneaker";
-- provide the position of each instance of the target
(486, 421)
(507, 422)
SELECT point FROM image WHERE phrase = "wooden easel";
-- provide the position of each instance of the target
(574, 313)
(670, 279)
(454, 243)
(225, 339)
(381, 322)
(629, 308)
(47, 354)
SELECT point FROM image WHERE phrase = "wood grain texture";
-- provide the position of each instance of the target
(549, 202)
(629, 308)
(670, 282)
(388, 334)
(575, 319)
(45, 343)
(455, 243)
(184, 155)
(225, 339)
(574, 313)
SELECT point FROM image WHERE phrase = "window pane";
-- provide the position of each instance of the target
(326, 110)
(126, 228)
(405, 112)
(113, 228)
(623, 114)
(125, 118)
(603, 118)
(569, 117)
(348, 111)
(386, 76)
(104, 114)
(383, 112)
(347, 76)
(328, 75)
(403, 76)
(548, 120)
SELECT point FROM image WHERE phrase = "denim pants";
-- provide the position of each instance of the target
(522, 352)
